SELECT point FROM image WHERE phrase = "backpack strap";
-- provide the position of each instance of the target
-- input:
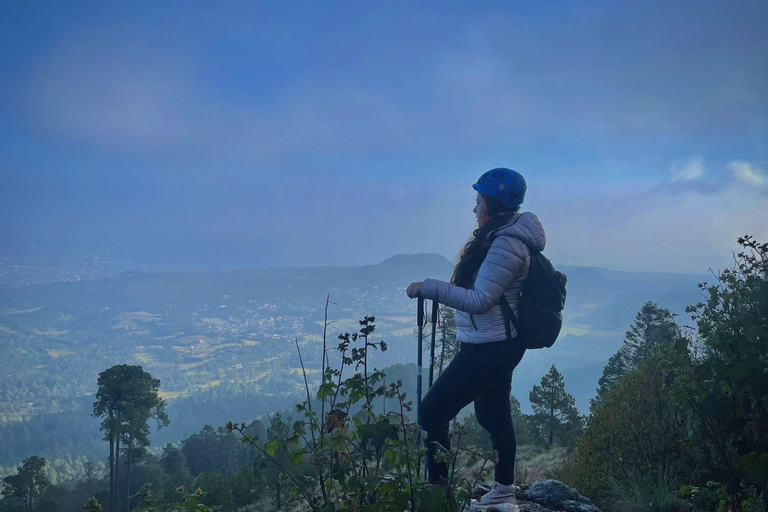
(509, 316)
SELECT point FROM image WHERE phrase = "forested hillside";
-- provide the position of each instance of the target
(225, 341)
(677, 422)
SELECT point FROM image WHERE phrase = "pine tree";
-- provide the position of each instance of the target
(653, 330)
(612, 373)
(143, 403)
(127, 398)
(28, 483)
(554, 409)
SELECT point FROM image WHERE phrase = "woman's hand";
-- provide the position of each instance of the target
(414, 289)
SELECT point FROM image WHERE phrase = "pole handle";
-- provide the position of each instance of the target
(420, 314)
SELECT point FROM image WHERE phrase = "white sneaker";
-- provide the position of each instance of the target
(498, 495)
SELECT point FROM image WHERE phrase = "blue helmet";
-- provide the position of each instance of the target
(504, 184)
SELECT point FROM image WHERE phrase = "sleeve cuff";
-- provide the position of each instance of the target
(429, 289)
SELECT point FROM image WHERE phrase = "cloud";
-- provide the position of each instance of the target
(145, 101)
(627, 228)
(499, 83)
(690, 170)
(748, 173)
(686, 176)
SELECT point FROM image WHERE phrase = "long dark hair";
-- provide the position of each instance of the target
(475, 250)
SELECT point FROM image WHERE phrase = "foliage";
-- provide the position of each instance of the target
(127, 398)
(93, 505)
(653, 331)
(28, 483)
(636, 429)
(692, 407)
(614, 370)
(554, 410)
(185, 502)
(718, 376)
(336, 459)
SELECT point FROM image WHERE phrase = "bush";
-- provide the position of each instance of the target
(636, 428)
(344, 456)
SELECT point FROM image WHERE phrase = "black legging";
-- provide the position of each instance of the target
(480, 372)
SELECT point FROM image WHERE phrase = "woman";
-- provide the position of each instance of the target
(495, 261)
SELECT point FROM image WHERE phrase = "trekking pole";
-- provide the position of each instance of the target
(420, 320)
(432, 343)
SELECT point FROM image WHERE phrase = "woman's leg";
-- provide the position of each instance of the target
(494, 413)
(473, 372)
(450, 393)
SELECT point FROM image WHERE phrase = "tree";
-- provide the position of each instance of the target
(653, 330)
(612, 373)
(107, 405)
(718, 376)
(218, 492)
(28, 483)
(634, 436)
(554, 409)
(127, 398)
(520, 422)
(174, 463)
(246, 486)
(143, 402)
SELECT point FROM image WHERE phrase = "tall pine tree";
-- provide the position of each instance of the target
(127, 398)
(652, 331)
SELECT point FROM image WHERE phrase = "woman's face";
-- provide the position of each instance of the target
(480, 212)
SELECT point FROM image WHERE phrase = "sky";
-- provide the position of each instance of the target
(342, 133)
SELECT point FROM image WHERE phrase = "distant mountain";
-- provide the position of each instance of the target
(415, 267)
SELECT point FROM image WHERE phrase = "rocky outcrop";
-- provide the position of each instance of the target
(541, 496)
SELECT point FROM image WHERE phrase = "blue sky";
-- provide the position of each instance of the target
(345, 132)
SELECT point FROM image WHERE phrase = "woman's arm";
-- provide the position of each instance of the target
(503, 263)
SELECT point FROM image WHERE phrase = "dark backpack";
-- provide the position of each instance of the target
(540, 317)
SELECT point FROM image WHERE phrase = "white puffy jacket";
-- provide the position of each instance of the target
(478, 315)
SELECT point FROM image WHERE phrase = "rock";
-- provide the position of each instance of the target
(556, 495)
(522, 506)
(495, 508)
(541, 496)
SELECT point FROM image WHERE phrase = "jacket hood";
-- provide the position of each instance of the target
(527, 228)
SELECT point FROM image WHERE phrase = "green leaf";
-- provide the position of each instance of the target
(271, 447)
(386, 487)
(326, 390)
(297, 457)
